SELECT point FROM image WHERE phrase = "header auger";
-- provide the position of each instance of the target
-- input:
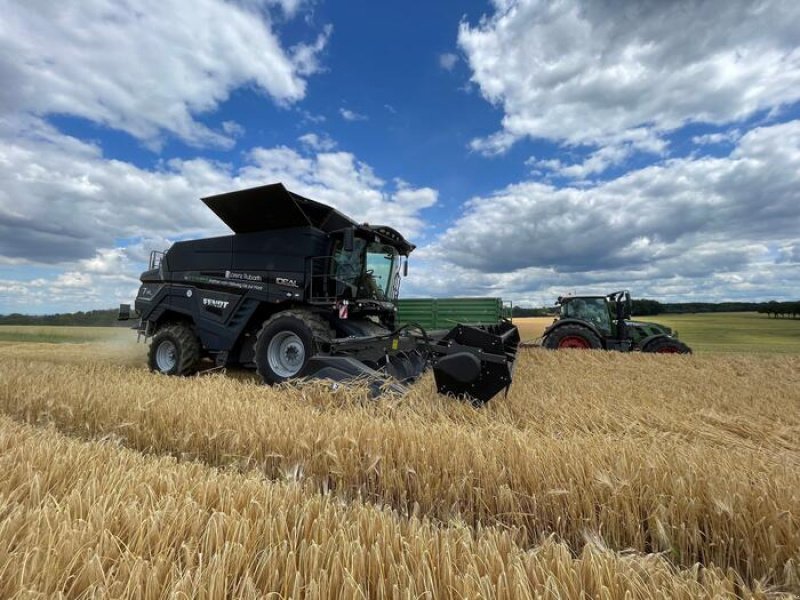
(299, 290)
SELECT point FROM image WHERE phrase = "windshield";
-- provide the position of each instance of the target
(381, 276)
(348, 264)
(588, 309)
(371, 269)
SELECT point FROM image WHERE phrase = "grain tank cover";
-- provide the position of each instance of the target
(274, 207)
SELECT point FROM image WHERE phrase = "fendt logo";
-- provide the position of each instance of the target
(215, 303)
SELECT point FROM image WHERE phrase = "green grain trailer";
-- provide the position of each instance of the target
(444, 313)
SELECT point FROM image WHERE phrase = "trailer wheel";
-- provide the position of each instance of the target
(285, 343)
(572, 336)
(175, 350)
(666, 345)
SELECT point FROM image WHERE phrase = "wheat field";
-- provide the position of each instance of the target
(600, 475)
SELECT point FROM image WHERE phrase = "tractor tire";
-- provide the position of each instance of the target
(285, 343)
(175, 350)
(666, 345)
(572, 337)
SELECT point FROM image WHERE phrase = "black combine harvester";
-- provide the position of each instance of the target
(301, 290)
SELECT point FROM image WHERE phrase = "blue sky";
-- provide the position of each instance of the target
(528, 148)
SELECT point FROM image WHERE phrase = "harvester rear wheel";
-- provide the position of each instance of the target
(665, 345)
(285, 343)
(572, 337)
(175, 350)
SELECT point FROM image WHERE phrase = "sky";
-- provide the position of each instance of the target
(528, 148)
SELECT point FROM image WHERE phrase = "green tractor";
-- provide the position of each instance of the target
(603, 322)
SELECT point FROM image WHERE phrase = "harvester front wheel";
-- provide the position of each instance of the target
(665, 345)
(175, 350)
(285, 343)
(572, 337)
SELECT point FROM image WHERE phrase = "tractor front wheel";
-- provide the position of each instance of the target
(572, 337)
(665, 345)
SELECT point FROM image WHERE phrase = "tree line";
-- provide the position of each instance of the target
(772, 308)
(781, 309)
(641, 307)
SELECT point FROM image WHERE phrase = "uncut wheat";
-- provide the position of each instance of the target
(87, 520)
(695, 458)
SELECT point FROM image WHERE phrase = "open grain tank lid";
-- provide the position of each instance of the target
(274, 207)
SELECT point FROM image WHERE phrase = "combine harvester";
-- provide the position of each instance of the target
(302, 291)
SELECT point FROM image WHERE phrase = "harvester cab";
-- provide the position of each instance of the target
(300, 290)
(604, 322)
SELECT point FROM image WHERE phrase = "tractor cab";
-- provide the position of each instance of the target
(595, 310)
(605, 313)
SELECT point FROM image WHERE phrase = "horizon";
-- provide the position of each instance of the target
(551, 307)
(528, 149)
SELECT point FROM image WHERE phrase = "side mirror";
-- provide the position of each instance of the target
(405, 268)
(124, 312)
(348, 241)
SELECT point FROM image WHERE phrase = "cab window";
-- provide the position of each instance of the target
(593, 310)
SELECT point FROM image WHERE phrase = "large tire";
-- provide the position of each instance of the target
(667, 345)
(175, 350)
(572, 337)
(285, 343)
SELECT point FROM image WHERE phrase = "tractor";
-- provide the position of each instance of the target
(603, 322)
(300, 290)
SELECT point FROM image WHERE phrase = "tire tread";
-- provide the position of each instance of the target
(188, 347)
(554, 337)
(321, 332)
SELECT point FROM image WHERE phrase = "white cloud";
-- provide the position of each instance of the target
(597, 162)
(73, 279)
(344, 182)
(789, 253)
(290, 8)
(308, 117)
(707, 226)
(351, 115)
(305, 57)
(612, 155)
(448, 61)
(147, 67)
(493, 145)
(600, 73)
(320, 142)
(726, 137)
(63, 204)
(233, 129)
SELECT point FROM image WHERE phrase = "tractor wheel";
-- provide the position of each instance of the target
(285, 343)
(572, 336)
(175, 350)
(665, 345)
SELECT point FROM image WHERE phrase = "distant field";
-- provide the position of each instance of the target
(735, 332)
(531, 328)
(60, 335)
(711, 332)
(704, 332)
